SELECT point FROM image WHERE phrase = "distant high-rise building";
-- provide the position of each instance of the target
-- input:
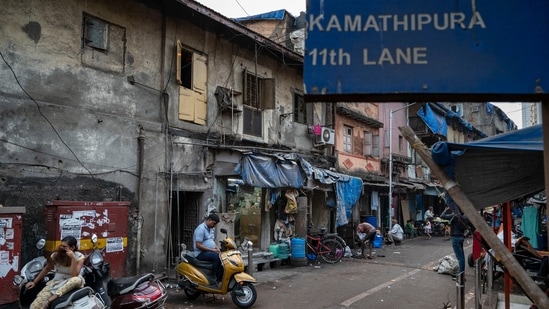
(531, 114)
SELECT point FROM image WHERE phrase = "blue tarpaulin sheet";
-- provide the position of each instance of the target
(290, 171)
(498, 168)
(270, 171)
(434, 121)
(348, 193)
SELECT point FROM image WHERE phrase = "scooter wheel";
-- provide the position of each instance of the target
(244, 295)
(192, 294)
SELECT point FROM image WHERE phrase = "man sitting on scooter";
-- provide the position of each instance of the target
(204, 245)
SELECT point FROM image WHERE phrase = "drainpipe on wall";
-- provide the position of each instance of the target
(140, 158)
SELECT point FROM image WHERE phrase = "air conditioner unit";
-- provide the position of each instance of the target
(326, 137)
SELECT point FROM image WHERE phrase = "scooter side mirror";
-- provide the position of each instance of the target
(224, 230)
(40, 244)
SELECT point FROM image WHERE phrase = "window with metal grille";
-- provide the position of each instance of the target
(258, 96)
(303, 113)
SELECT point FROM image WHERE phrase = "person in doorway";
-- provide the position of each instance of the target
(430, 213)
(67, 262)
(366, 232)
(204, 245)
(458, 225)
(419, 216)
(396, 233)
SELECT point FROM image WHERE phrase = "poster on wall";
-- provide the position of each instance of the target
(115, 244)
(8, 260)
(70, 227)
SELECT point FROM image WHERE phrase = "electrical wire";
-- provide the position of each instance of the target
(49, 122)
(241, 7)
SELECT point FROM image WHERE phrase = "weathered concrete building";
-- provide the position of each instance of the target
(151, 102)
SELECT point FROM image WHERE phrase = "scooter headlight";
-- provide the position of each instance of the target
(96, 258)
(17, 280)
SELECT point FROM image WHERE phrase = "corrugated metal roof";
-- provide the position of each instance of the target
(274, 15)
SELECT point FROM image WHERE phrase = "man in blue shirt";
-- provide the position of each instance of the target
(204, 245)
(458, 225)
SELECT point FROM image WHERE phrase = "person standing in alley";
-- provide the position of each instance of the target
(366, 232)
(427, 228)
(458, 225)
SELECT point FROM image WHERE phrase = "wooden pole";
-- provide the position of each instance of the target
(507, 224)
(506, 258)
(545, 127)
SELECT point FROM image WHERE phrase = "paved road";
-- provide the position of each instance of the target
(400, 277)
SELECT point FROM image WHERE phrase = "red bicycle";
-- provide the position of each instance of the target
(329, 249)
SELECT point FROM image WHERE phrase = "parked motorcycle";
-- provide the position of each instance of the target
(198, 277)
(141, 291)
(29, 273)
(81, 298)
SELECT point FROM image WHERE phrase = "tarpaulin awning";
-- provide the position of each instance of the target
(270, 171)
(498, 168)
(348, 189)
(289, 171)
(376, 184)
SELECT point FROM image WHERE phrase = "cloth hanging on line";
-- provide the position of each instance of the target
(530, 224)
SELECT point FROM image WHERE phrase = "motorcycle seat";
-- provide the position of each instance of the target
(198, 263)
(71, 297)
(125, 285)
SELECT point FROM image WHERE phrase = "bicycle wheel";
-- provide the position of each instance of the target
(337, 238)
(335, 253)
(341, 240)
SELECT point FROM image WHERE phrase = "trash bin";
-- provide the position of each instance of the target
(370, 219)
(11, 226)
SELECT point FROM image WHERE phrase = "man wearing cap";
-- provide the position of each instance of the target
(204, 245)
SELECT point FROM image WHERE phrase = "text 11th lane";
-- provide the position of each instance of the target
(385, 56)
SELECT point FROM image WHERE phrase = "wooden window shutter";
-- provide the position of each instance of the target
(245, 98)
(267, 97)
(367, 143)
(186, 104)
(375, 145)
(178, 64)
(200, 73)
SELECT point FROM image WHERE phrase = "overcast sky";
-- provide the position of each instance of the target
(243, 8)
(513, 111)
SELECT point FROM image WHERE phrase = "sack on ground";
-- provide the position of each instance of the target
(348, 252)
(447, 265)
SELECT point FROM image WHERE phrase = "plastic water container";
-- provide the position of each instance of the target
(298, 247)
(378, 241)
(283, 251)
(274, 249)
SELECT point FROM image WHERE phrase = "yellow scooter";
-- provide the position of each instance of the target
(198, 277)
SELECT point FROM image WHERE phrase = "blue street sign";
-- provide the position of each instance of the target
(427, 47)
